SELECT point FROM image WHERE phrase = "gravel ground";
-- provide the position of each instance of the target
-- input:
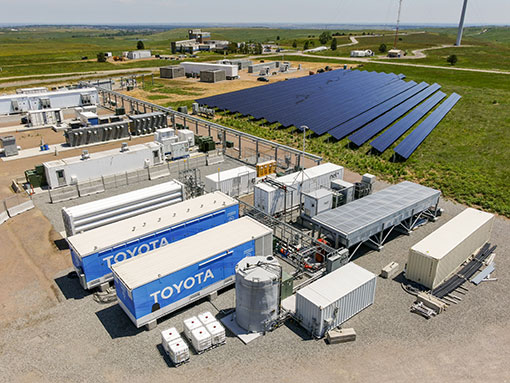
(83, 341)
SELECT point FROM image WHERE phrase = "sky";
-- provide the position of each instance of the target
(251, 12)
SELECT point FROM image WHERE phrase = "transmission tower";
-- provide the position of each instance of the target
(398, 24)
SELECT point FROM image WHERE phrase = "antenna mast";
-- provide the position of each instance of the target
(398, 23)
(461, 24)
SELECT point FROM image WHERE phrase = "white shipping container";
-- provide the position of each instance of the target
(317, 202)
(233, 182)
(73, 170)
(272, 200)
(196, 67)
(217, 332)
(436, 257)
(335, 298)
(201, 339)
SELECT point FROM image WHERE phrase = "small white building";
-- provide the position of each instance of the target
(231, 71)
(140, 54)
(362, 53)
(70, 171)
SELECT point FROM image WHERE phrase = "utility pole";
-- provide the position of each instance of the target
(461, 24)
(398, 24)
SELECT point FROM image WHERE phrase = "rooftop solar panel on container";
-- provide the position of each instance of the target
(385, 140)
(418, 135)
(382, 122)
(349, 127)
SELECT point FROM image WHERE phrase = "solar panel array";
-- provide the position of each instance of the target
(358, 104)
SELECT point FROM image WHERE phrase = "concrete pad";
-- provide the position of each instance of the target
(246, 337)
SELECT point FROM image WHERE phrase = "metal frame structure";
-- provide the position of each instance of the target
(297, 245)
(110, 99)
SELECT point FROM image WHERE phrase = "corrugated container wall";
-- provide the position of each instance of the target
(233, 182)
(335, 298)
(437, 256)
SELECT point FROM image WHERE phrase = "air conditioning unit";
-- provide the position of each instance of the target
(86, 99)
(15, 106)
(45, 103)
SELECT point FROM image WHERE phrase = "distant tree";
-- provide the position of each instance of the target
(101, 57)
(258, 49)
(383, 48)
(294, 44)
(232, 47)
(307, 45)
(140, 45)
(334, 44)
(173, 47)
(452, 59)
(312, 43)
(324, 37)
(277, 37)
(363, 34)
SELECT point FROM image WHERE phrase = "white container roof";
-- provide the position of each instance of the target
(98, 155)
(107, 236)
(336, 285)
(318, 194)
(140, 270)
(309, 173)
(231, 173)
(441, 242)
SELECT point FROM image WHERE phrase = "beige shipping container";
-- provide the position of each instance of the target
(437, 256)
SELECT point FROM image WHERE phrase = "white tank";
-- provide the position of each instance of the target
(257, 292)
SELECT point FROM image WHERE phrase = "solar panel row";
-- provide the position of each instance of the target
(358, 104)
(416, 137)
(382, 122)
(396, 131)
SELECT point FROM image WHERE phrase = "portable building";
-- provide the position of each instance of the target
(164, 280)
(231, 71)
(255, 68)
(94, 251)
(335, 298)
(62, 99)
(234, 182)
(212, 76)
(139, 54)
(432, 260)
(273, 199)
(102, 212)
(70, 171)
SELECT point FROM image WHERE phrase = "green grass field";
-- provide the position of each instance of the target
(466, 156)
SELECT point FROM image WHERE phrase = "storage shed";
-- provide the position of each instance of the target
(140, 54)
(335, 298)
(231, 71)
(432, 260)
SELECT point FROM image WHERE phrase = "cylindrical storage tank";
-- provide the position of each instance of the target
(257, 292)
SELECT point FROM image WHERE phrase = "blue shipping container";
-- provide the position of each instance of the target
(153, 285)
(94, 252)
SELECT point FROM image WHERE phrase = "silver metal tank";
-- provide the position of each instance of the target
(257, 292)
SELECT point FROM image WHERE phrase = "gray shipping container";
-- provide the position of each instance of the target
(335, 298)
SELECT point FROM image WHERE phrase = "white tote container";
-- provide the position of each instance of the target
(201, 339)
(168, 336)
(191, 324)
(217, 332)
(206, 318)
(178, 351)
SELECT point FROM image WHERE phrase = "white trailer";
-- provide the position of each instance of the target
(436, 257)
(19, 103)
(362, 53)
(105, 211)
(70, 171)
(272, 199)
(233, 182)
(231, 71)
(140, 54)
